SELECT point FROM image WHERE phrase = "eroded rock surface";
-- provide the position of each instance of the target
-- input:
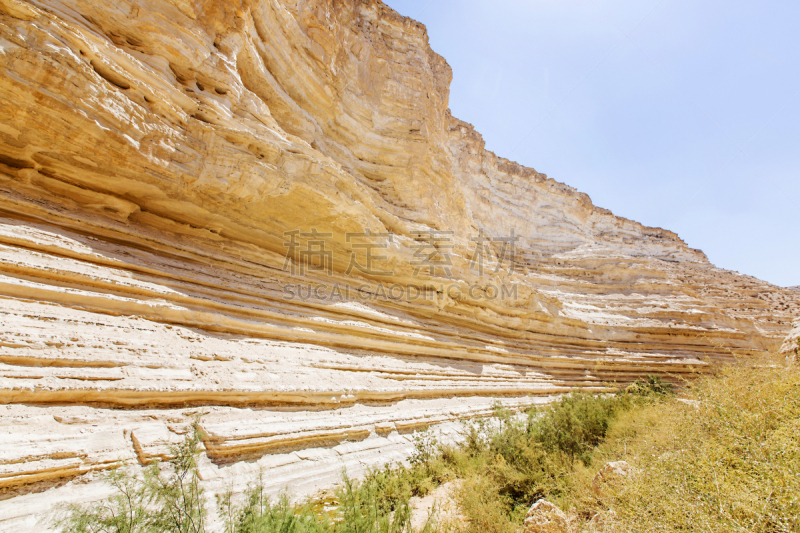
(792, 343)
(152, 157)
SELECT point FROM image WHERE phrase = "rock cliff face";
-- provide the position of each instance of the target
(185, 192)
(792, 343)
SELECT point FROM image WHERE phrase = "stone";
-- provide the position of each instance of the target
(611, 472)
(791, 345)
(544, 517)
(160, 160)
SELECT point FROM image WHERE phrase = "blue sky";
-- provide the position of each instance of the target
(681, 114)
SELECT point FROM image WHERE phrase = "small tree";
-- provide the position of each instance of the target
(178, 494)
(163, 500)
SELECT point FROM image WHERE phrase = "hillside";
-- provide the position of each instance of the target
(189, 192)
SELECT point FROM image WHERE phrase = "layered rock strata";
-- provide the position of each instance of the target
(792, 343)
(169, 174)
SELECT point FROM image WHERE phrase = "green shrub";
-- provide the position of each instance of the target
(651, 386)
(363, 509)
(484, 509)
(576, 424)
(506, 462)
(259, 515)
(360, 508)
(510, 460)
(125, 512)
(170, 500)
(428, 466)
(159, 501)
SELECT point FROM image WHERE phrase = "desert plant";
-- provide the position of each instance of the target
(125, 512)
(649, 387)
(363, 509)
(576, 424)
(426, 447)
(177, 493)
(258, 514)
(724, 457)
(166, 500)
(483, 507)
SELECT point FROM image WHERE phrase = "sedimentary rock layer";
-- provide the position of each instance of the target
(167, 169)
(792, 342)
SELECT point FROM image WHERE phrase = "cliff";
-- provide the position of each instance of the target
(186, 189)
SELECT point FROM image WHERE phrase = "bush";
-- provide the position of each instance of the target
(157, 502)
(170, 500)
(485, 511)
(362, 508)
(428, 466)
(650, 387)
(510, 460)
(576, 424)
(259, 515)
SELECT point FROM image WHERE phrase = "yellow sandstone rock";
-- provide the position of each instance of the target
(159, 160)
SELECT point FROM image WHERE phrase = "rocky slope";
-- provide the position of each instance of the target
(792, 343)
(160, 161)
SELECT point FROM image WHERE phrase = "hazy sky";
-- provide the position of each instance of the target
(682, 114)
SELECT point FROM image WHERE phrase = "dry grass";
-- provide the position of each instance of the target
(722, 457)
(726, 461)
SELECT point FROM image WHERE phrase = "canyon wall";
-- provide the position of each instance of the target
(262, 212)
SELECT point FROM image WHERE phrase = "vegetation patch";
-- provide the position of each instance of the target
(722, 456)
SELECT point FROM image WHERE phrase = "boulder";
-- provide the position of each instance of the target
(611, 472)
(544, 517)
